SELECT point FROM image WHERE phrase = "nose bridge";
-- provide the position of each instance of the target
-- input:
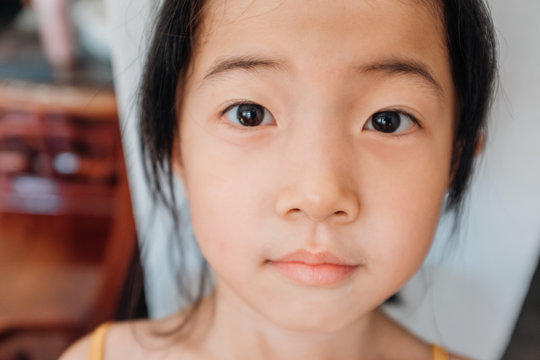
(318, 180)
(320, 149)
(320, 128)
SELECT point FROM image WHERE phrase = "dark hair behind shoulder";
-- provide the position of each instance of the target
(472, 48)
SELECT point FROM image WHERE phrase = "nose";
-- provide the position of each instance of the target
(318, 181)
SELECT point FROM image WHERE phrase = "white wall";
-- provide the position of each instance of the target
(468, 294)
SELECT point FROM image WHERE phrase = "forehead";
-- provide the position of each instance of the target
(355, 22)
(322, 35)
(348, 12)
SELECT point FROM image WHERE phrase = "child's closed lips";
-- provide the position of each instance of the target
(316, 269)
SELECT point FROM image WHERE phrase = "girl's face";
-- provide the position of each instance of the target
(315, 146)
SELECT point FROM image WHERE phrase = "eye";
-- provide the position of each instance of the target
(390, 122)
(249, 114)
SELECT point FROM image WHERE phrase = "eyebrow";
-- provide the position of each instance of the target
(388, 67)
(404, 67)
(243, 63)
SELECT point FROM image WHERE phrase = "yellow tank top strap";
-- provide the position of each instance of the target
(439, 353)
(97, 344)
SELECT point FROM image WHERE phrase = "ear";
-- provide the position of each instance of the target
(177, 162)
(480, 145)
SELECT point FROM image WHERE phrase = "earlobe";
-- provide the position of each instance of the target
(480, 145)
(177, 163)
(178, 169)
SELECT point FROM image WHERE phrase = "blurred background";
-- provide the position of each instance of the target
(66, 228)
(68, 243)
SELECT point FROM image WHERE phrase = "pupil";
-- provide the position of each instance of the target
(386, 122)
(250, 114)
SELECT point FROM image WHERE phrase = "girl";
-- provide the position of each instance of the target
(318, 143)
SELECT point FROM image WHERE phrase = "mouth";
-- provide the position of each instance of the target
(320, 269)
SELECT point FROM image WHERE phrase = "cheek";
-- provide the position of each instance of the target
(402, 205)
(223, 198)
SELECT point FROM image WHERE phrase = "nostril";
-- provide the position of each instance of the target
(293, 211)
(297, 211)
(317, 205)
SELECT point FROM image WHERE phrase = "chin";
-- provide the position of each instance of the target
(322, 319)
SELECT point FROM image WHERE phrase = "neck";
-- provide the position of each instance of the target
(236, 331)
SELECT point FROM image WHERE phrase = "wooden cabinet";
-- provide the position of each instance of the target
(67, 235)
(59, 149)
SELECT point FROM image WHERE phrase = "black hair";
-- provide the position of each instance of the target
(473, 56)
(472, 50)
(169, 55)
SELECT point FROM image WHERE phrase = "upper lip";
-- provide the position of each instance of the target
(309, 258)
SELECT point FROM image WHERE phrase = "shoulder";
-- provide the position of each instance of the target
(457, 357)
(444, 354)
(78, 350)
(130, 339)
(120, 338)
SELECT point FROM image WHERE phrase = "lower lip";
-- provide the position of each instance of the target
(315, 275)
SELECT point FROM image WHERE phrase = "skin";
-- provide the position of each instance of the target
(315, 175)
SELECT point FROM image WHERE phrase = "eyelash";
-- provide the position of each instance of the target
(233, 105)
(389, 110)
(400, 112)
(239, 103)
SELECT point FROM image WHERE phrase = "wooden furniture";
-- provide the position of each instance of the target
(59, 147)
(67, 234)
